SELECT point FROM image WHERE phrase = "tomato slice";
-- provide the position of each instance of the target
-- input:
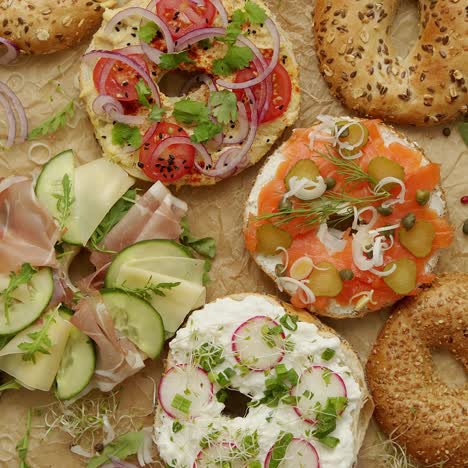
(183, 16)
(174, 162)
(121, 80)
(281, 90)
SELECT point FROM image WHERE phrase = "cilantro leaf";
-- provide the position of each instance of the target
(148, 31)
(187, 111)
(255, 14)
(23, 445)
(224, 106)
(143, 92)
(205, 131)
(205, 246)
(54, 123)
(123, 134)
(156, 114)
(171, 61)
(40, 341)
(236, 58)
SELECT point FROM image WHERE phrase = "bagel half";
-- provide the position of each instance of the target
(413, 406)
(362, 415)
(267, 133)
(268, 263)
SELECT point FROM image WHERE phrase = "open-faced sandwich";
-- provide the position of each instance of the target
(347, 217)
(189, 92)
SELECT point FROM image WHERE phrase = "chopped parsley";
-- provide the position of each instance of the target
(224, 106)
(172, 61)
(148, 31)
(123, 134)
(143, 93)
(224, 377)
(236, 58)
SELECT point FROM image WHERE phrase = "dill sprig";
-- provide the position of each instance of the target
(149, 289)
(41, 342)
(65, 200)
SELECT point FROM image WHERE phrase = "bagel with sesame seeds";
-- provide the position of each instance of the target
(48, 26)
(413, 405)
(362, 68)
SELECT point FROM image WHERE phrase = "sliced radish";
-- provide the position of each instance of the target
(218, 454)
(256, 344)
(185, 391)
(315, 386)
(299, 454)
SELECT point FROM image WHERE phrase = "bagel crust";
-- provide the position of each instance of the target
(363, 71)
(47, 26)
(412, 405)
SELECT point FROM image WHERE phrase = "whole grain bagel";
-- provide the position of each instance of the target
(48, 26)
(412, 403)
(362, 69)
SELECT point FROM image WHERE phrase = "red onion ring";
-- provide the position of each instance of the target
(10, 115)
(203, 78)
(153, 54)
(18, 107)
(243, 126)
(12, 51)
(131, 63)
(198, 35)
(149, 15)
(268, 70)
(221, 11)
(107, 105)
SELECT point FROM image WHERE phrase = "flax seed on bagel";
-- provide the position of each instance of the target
(362, 69)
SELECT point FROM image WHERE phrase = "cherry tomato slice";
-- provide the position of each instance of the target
(183, 16)
(281, 90)
(121, 80)
(174, 162)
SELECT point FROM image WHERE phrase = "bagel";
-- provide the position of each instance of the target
(358, 288)
(220, 158)
(215, 323)
(363, 71)
(412, 404)
(47, 26)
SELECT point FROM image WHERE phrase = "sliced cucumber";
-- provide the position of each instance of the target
(29, 301)
(137, 320)
(78, 362)
(144, 250)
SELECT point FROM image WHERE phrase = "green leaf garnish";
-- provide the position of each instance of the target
(148, 290)
(65, 200)
(208, 356)
(187, 111)
(123, 134)
(236, 58)
(279, 449)
(24, 276)
(54, 123)
(255, 13)
(326, 417)
(148, 31)
(205, 131)
(224, 106)
(289, 322)
(181, 403)
(156, 114)
(328, 354)
(143, 92)
(172, 61)
(176, 427)
(23, 445)
(205, 246)
(40, 341)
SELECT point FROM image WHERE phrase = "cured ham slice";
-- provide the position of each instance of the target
(156, 215)
(118, 358)
(27, 231)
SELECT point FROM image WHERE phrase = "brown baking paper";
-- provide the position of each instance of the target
(46, 84)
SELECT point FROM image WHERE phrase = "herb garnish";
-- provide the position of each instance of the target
(143, 92)
(279, 449)
(181, 403)
(208, 356)
(236, 58)
(326, 420)
(328, 354)
(123, 134)
(41, 342)
(24, 276)
(224, 106)
(148, 290)
(54, 123)
(172, 61)
(156, 114)
(205, 246)
(65, 200)
(148, 31)
(463, 130)
(23, 445)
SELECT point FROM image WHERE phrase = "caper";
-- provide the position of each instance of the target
(279, 269)
(465, 227)
(330, 182)
(408, 221)
(422, 196)
(285, 204)
(385, 210)
(346, 275)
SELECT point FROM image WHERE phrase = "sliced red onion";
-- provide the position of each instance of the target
(203, 78)
(118, 463)
(153, 54)
(107, 105)
(243, 126)
(10, 115)
(147, 14)
(221, 11)
(12, 51)
(268, 70)
(97, 54)
(198, 35)
(18, 108)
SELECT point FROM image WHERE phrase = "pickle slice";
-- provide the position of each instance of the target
(270, 237)
(381, 167)
(304, 168)
(403, 279)
(325, 282)
(418, 240)
(355, 134)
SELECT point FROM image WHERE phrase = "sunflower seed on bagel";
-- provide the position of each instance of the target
(427, 416)
(363, 71)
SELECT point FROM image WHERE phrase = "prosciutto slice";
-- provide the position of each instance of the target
(117, 356)
(156, 215)
(27, 231)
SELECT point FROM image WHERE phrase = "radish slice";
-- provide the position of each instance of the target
(316, 385)
(185, 391)
(218, 454)
(299, 454)
(256, 345)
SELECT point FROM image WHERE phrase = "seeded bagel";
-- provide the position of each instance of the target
(363, 71)
(47, 26)
(412, 404)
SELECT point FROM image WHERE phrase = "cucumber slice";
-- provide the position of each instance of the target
(143, 250)
(77, 364)
(30, 301)
(137, 320)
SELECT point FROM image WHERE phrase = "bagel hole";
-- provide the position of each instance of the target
(173, 82)
(235, 405)
(447, 368)
(405, 28)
